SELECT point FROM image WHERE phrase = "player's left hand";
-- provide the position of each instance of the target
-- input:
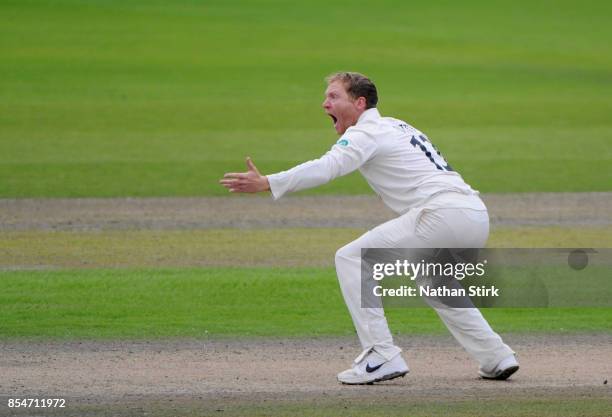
(245, 182)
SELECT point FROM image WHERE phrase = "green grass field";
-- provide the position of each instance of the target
(249, 283)
(220, 302)
(153, 98)
(291, 247)
(502, 406)
(376, 404)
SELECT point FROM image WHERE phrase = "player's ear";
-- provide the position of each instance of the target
(361, 103)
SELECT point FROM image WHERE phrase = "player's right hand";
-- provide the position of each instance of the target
(245, 182)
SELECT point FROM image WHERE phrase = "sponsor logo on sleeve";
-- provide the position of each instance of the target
(342, 142)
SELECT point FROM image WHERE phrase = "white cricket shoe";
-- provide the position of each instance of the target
(503, 370)
(370, 367)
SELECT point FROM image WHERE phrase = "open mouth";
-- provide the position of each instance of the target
(334, 118)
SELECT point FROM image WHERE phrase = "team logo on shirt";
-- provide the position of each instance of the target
(342, 142)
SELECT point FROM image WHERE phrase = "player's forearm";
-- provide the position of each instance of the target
(307, 175)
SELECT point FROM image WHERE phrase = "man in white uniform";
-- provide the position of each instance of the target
(435, 207)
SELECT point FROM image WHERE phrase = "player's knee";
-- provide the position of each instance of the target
(346, 254)
(341, 256)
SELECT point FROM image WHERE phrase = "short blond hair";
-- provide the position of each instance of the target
(357, 85)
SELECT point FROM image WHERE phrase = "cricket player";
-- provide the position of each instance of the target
(435, 209)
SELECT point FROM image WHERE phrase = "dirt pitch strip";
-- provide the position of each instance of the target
(248, 212)
(202, 377)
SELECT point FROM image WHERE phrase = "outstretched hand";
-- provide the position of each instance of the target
(245, 182)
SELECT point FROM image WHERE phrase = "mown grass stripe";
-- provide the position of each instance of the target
(219, 302)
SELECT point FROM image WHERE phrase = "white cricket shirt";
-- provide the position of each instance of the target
(398, 161)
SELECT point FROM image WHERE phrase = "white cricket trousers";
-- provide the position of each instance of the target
(450, 220)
